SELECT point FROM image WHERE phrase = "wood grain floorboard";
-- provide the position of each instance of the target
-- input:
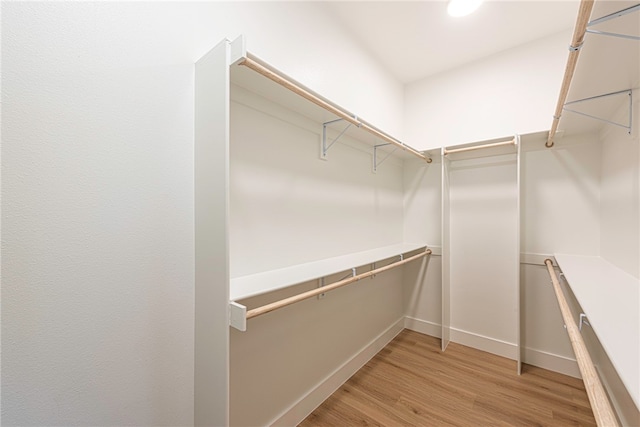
(412, 383)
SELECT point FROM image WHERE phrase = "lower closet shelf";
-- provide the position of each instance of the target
(610, 299)
(261, 283)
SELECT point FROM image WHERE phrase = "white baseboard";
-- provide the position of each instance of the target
(423, 326)
(303, 407)
(539, 358)
(552, 362)
(484, 343)
(490, 345)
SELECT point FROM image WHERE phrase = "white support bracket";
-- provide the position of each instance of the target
(324, 148)
(583, 320)
(238, 316)
(628, 126)
(614, 15)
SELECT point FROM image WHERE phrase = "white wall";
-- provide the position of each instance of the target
(284, 197)
(619, 211)
(561, 196)
(483, 251)
(97, 173)
(511, 92)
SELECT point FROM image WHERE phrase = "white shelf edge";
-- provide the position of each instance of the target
(261, 283)
(604, 291)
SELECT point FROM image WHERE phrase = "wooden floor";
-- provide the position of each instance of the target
(412, 383)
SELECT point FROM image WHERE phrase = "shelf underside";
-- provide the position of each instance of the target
(606, 64)
(256, 83)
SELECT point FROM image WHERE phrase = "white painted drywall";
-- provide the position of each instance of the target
(560, 214)
(484, 230)
(283, 197)
(620, 188)
(422, 222)
(561, 197)
(508, 93)
(97, 174)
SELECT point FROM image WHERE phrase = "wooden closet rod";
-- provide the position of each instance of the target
(312, 293)
(584, 12)
(478, 147)
(271, 74)
(602, 411)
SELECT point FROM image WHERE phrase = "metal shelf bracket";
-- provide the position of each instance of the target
(377, 163)
(324, 149)
(613, 16)
(321, 283)
(628, 126)
(583, 321)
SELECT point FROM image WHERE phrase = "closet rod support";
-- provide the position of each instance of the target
(238, 316)
(583, 321)
(320, 285)
(614, 15)
(628, 126)
(325, 148)
(605, 33)
(377, 163)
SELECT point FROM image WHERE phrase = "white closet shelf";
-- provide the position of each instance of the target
(283, 90)
(261, 283)
(606, 65)
(610, 298)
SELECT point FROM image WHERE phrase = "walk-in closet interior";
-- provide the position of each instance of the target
(217, 213)
(333, 236)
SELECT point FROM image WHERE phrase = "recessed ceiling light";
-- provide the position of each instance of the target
(462, 7)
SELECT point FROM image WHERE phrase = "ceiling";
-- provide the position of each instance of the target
(416, 39)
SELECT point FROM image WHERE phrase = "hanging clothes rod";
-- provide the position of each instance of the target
(478, 147)
(602, 411)
(584, 12)
(312, 293)
(254, 64)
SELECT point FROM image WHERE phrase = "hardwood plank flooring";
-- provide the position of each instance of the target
(412, 383)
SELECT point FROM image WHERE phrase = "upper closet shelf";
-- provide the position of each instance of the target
(261, 283)
(601, 70)
(259, 77)
(610, 299)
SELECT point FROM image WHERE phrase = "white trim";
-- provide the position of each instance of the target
(318, 394)
(488, 344)
(531, 356)
(423, 326)
(553, 362)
